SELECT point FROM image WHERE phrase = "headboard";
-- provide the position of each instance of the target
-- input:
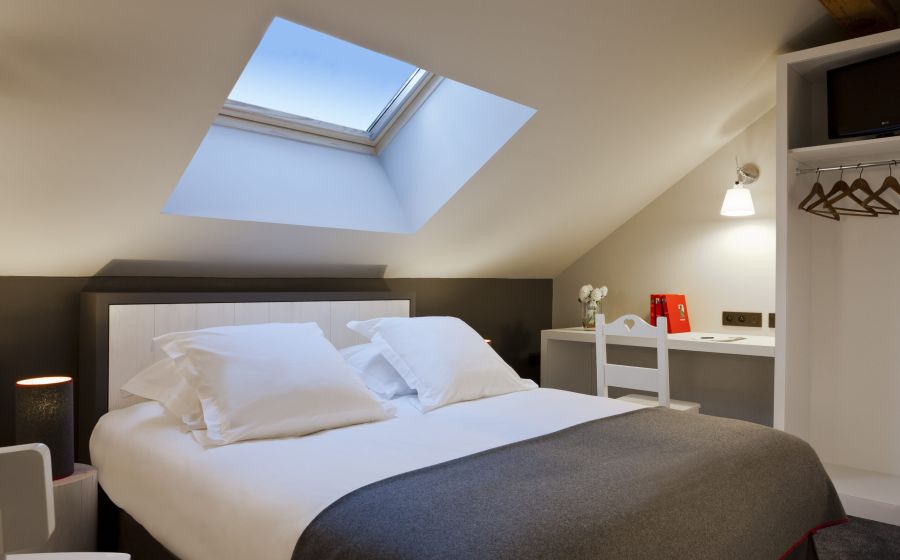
(117, 331)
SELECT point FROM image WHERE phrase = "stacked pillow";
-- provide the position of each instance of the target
(166, 382)
(259, 381)
(442, 358)
(378, 374)
(235, 383)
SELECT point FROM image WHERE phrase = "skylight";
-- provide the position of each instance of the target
(318, 132)
(303, 76)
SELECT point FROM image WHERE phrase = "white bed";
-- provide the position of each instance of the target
(253, 499)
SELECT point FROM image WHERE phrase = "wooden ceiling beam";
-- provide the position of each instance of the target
(862, 17)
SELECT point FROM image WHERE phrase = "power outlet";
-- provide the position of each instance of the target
(741, 319)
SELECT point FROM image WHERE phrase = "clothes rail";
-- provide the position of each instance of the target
(802, 170)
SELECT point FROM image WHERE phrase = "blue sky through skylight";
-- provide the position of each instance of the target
(304, 72)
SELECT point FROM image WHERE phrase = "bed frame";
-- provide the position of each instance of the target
(117, 330)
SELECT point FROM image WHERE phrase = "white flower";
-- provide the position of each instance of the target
(585, 293)
(599, 293)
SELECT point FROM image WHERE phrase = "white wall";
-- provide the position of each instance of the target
(680, 244)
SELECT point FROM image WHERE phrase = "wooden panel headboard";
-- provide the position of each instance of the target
(117, 331)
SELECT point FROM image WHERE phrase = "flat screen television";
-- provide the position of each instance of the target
(864, 98)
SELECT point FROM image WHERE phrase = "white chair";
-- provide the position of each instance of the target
(654, 380)
(26, 505)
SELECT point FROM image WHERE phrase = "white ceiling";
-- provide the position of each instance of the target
(103, 103)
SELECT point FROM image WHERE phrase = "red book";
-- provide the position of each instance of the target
(674, 308)
(677, 313)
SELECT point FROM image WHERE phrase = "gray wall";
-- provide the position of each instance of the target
(726, 385)
(39, 316)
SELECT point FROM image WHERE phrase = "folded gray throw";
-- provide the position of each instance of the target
(647, 484)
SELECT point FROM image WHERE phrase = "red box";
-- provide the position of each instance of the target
(674, 308)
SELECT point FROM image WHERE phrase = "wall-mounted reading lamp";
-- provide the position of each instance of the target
(738, 201)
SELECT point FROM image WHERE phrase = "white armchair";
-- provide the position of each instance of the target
(26, 506)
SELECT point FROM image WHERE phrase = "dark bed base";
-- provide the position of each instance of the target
(135, 540)
(119, 532)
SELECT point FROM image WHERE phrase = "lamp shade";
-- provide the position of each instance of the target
(738, 202)
(44, 414)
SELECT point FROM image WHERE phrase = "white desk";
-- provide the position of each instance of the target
(728, 378)
(690, 341)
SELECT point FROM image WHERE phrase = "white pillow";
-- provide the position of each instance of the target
(366, 328)
(165, 383)
(379, 376)
(271, 380)
(442, 358)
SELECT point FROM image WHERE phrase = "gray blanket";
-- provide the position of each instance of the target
(648, 484)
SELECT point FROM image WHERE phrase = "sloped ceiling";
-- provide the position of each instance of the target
(103, 103)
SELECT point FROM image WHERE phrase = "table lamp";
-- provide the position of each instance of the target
(44, 414)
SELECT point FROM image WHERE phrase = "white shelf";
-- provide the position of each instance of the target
(762, 346)
(848, 153)
(867, 494)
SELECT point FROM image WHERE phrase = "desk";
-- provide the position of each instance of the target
(690, 341)
(731, 379)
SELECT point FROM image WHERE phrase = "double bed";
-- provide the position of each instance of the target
(530, 474)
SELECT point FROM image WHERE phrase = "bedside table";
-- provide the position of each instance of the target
(75, 504)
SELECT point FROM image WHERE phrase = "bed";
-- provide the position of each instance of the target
(506, 476)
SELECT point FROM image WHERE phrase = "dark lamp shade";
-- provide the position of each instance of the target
(45, 414)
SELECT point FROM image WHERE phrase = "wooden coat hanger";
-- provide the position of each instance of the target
(860, 185)
(841, 190)
(890, 184)
(815, 198)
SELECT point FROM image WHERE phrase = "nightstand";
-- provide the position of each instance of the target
(75, 504)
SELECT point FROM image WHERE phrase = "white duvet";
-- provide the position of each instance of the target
(254, 499)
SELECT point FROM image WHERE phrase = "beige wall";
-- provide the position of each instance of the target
(680, 244)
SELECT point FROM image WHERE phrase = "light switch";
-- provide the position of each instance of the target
(741, 319)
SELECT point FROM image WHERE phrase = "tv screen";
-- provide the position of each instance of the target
(864, 98)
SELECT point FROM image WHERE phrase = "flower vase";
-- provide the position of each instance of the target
(589, 311)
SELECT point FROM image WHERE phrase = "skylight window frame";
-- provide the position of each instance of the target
(246, 116)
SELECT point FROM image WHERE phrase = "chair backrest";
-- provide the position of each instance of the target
(655, 380)
(27, 518)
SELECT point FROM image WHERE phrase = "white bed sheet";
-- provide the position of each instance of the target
(253, 499)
